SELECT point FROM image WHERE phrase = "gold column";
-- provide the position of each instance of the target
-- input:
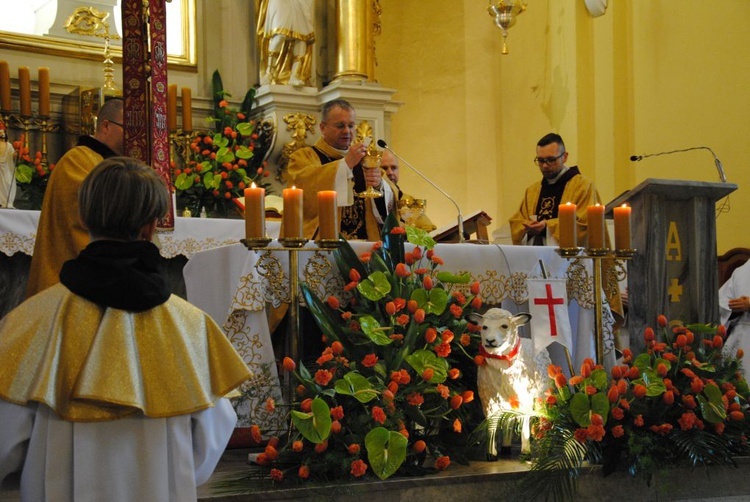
(351, 39)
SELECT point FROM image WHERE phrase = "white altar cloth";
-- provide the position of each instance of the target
(234, 285)
(190, 235)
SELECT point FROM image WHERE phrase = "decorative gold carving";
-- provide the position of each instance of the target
(364, 130)
(91, 22)
(277, 283)
(299, 124)
(580, 284)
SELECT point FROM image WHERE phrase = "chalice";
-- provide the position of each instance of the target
(371, 160)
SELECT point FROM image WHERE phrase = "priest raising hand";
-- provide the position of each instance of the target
(334, 162)
(355, 154)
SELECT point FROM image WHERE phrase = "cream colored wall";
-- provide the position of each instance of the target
(645, 77)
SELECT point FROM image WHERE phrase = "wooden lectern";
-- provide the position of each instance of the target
(674, 271)
(475, 223)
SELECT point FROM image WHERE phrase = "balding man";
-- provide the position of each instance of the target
(60, 235)
(334, 162)
(411, 209)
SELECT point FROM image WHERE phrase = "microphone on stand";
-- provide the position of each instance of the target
(719, 167)
(383, 144)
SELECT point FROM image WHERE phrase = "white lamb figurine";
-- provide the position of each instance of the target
(512, 377)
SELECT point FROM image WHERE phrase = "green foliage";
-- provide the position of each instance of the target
(390, 375)
(683, 401)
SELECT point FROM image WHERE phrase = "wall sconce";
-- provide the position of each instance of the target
(505, 13)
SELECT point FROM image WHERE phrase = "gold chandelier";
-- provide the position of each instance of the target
(505, 13)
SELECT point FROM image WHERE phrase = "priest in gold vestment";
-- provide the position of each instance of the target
(334, 162)
(111, 388)
(536, 221)
(60, 235)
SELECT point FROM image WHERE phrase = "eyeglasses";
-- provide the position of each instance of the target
(540, 161)
(115, 123)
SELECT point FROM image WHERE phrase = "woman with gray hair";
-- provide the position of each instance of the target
(111, 388)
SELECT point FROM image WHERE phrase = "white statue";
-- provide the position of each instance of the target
(285, 40)
(7, 171)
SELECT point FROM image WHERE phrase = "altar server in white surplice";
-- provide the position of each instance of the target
(734, 308)
(111, 388)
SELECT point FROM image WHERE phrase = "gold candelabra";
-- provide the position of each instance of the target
(597, 255)
(293, 246)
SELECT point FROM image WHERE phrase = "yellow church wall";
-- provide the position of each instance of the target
(645, 77)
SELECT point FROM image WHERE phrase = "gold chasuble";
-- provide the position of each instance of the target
(581, 191)
(578, 190)
(169, 360)
(307, 171)
(60, 236)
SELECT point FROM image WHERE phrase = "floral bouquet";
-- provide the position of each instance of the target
(394, 382)
(32, 176)
(222, 164)
(683, 401)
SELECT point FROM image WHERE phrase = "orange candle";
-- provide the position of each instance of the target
(172, 107)
(5, 103)
(255, 212)
(44, 92)
(24, 86)
(566, 215)
(622, 227)
(595, 222)
(187, 109)
(328, 215)
(292, 217)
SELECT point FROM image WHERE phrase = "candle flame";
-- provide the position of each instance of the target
(624, 205)
(252, 185)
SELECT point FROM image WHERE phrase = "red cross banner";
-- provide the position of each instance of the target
(548, 306)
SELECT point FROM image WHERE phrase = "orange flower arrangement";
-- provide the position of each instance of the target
(393, 384)
(32, 176)
(683, 400)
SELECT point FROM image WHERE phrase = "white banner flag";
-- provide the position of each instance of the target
(548, 306)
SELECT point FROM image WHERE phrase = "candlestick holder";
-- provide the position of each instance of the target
(43, 127)
(293, 246)
(598, 255)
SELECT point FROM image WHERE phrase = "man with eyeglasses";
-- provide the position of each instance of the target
(60, 235)
(536, 221)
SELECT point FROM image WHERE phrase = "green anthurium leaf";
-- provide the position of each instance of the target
(375, 287)
(224, 155)
(354, 384)
(386, 451)
(643, 361)
(419, 237)
(653, 382)
(182, 182)
(206, 167)
(433, 301)
(450, 278)
(580, 409)
(316, 425)
(24, 174)
(245, 128)
(599, 379)
(220, 141)
(600, 404)
(321, 312)
(374, 331)
(244, 152)
(422, 359)
(711, 405)
(211, 181)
